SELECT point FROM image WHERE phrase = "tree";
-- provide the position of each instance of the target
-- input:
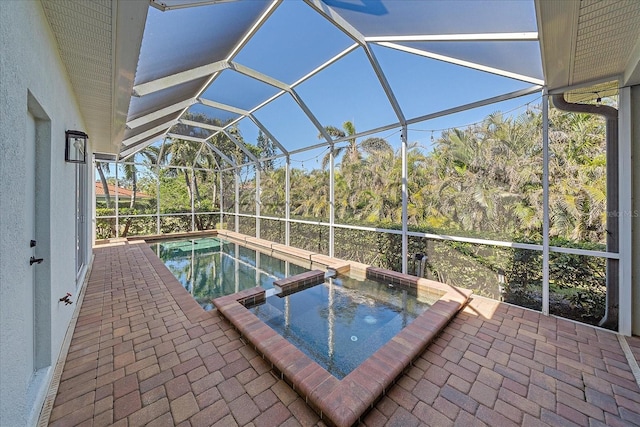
(266, 149)
(102, 167)
(352, 150)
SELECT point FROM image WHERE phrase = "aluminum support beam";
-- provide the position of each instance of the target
(545, 204)
(342, 24)
(463, 63)
(202, 125)
(221, 154)
(259, 76)
(385, 84)
(332, 200)
(117, 205)
(258, 201)
(405, 201)
(225, 107)
(310, 115)
(193, 196)
(149, 133)
(237, 199)
(147, 118)
(628, 111)
(179, 78)
(254, 29)
(287, 200)
(525, 36)
(242, 147)
(269, 135)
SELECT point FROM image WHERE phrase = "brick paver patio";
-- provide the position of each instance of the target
(144, 353)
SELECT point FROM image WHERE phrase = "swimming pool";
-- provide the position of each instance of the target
(338, 323)
(341, 322)
(341, 402)
(210, 267)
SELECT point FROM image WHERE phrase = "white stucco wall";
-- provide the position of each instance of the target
(30, 64)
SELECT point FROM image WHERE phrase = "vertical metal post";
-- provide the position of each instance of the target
(193, 198)
(117, 204)
(258, 200)
(331, 199)
(287, 201)
(94, 221)
(237, 200)
(627, 116)
(221, 203)
(158, 199)
(236, 271)
(545, 203)
(405, 202)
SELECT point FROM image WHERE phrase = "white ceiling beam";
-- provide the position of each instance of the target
(385, 84)
(464, 63)
(342, 24)
(224, 107)
(326, 64)
(282, 92)
(488, 101)
(179, 78)
(311, 74)
(264, 130)
(253, 30)
(259, 76)
(139, 137)
(195, 158)
(526, 36)
(241, 146)
(205, 141)
(185, 137)
(138, 147)
(310, 115)
(132, 124)
(220, 153)
(201, 125)
(337, 20)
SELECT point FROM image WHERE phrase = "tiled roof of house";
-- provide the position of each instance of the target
(122, 192)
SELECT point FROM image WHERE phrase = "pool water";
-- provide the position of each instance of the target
(338, 323)
(341, 322)
(209, 268)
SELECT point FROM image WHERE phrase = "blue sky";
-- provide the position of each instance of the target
(295, 40)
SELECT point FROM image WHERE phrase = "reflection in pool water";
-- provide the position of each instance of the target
(341, 322)
(338, 323)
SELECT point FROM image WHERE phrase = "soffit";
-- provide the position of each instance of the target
(97, 43)
(589, 41)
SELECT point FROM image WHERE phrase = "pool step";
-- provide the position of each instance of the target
(330, 274)
(293, 284)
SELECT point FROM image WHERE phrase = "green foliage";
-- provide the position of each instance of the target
(483, 181)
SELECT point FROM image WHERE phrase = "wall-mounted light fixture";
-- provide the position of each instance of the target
(75, 149)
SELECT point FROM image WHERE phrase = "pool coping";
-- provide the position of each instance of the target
(341, 403)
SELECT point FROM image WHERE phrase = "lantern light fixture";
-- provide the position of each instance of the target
(75, 150)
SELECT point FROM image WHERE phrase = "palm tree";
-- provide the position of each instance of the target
(353, 154)
(131, 174)
(102, 167)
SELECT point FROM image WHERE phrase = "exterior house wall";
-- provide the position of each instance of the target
(34, 80)
(635, 220)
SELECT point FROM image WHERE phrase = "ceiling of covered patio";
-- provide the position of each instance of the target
(196, 69)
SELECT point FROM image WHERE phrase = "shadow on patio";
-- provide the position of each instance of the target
(143, 352)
